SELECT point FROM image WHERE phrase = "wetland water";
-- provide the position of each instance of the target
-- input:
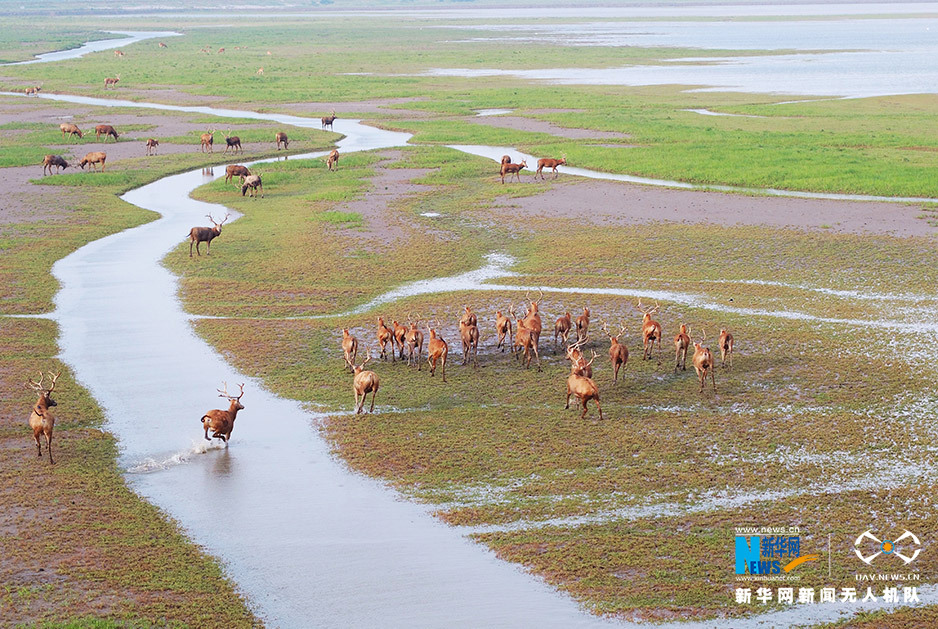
(132, 37)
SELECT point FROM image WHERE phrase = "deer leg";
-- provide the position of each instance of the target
(373, 394)
(358, 407)
(443, 366)
(600, 409)
(713, 380)
(49, 446)
(585, 408)
(38, 446)
(536, 355)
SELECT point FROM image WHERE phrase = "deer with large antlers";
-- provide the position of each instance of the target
(651, 330)
(503, 329)
(349, 347)
(578, 364)
(365, 382)
(399, 337)
(199, 235)
(437, 351)
(583, 324)
(414, 340)
(221, 422)
(328, 120)
(726, 347)
(703, 363)
(524, 341)
(681, 345)
(618, 352)
(385, 338)
(584, 390)
(41, 419)
(562, 328)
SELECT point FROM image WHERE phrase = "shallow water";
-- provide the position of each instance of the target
(97, 46)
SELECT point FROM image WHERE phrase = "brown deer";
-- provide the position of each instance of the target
(208, 140)
(469, 333)
(437, 351)
(399, 337)
(162, 45)
(41, 419)
(681, 345)
(94, 158)
(703, 363)
(260, 71)
(618, 352)
(365, 382)
(506, 159)
(584, 390)
(533, 319)
(562, 327)
(220, 422)
(106, 130)
(469, 317)
(199, 235)
(112, 81)
(349, 347)
(152, 143)
(726, 347)
(524, 342)
(583, 324)
(252, 183)
(512, 169)
(118, 53)
(414, 340)
(53, 160)
(578, 364)
(549, 163)
(232, 141)
(35, 89)
(385, 337)
(236, 170)
(503, 329)
(70, 129)
(328, 120)
(651, 330)
(333, 160)
(221, 50)
(282, 139)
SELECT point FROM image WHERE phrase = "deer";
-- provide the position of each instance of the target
(41, 419)
(221, 50)
(112, 81)
(232, 141)
(503, 329)
(118, 53)
(106, 130)
(549, 163)
(414, 340)
(208, 139)
(437, 351)
(282, 139)
(703, 363)
(469, 333)
(385, 336)
(33, 90)
(681, 345)
(220, 422)
(618, 352)
(236, 170)
(584, 390)
(506, 159)
(70, 129)
(578, 364)
(199, 235)
(94, 158)
(162, 45)
(469, 317)
(524, 341)
(252, 183)
(333, 160)
(533, 319)
(583, 324)
(365, 382)
(726, 347)
(398, 337)
(328, 120)
(349, 347)
(260, 71)
(53, 160)
(152, 143)
(651, 330)
(512, 169)
(562, 327)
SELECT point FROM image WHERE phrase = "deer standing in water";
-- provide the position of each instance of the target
(328, 120)
(221, 422)
(41, 419)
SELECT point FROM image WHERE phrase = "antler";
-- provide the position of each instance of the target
(540, 296)
(224, 392)
(592, 359)
(55, 376)
(36, 386)
(366, 360)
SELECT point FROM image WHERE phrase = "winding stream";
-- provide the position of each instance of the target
(97, 46)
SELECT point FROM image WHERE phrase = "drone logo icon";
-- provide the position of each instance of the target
(886, 546)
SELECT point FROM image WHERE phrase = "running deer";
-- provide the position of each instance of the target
(152, 143)
(437, 351)
(578, 364)
(333, 160)
(220, 422)
(199, 235)
(70, 129)
(328, 120)
(468, 317)
(414, 340)
(584, 390)
(399, 337)
(469, 333)
(503, 329)
(524, 341)
(533, 319)
(618, 353)
(651, 330)
(364, 382)
(562, 328)
(208, 140)
(681, 345)
(726, 347)
(53, 160)
(232, 141)
(112, 81)
(41, 419)
(549, 163)
(349, 347)
(385, 337)
(106, 130)
(282, 139)
(703, 363)
(583, 324)
(512, 169)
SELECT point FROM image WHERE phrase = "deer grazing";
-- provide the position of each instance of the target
(385, 338)
(260, 72)
(41, 419)
(549, 163)
(328, 120)
(112, 81)
(199, 235)
(524, 342)
(106, 130)
(681, 345)
(512, 169)
(220, 422)
(583, 324)
(252, 183)
(583, 389)
(53, 160)
(282, 139)
(469, 333)
(118, 53)
(651, 330)
(618, 352)
(562, 327)
(152, 143)
(398, 338)
(503, 329)
(232, 141)
(365, 382)
(726, 347)
(349, 347)
(70, 129)
(703, 363)
(94, 158)
(333, 160)
(208, 139)
(236, 170)
(414, 340)
(437, 351)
